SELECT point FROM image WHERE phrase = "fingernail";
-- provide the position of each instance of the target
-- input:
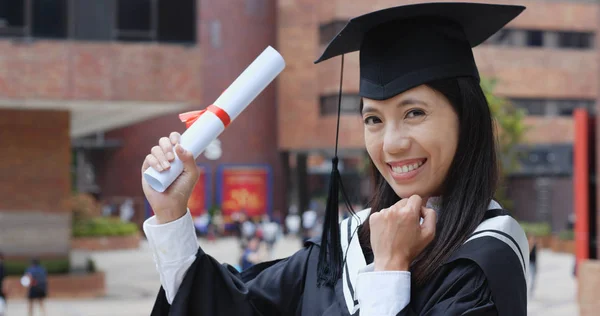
(159, 168)
(166, 164)
(170, 156)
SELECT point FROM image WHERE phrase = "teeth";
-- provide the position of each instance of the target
(407, 168)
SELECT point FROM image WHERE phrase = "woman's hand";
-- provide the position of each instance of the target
(171, 204)
(397, 237)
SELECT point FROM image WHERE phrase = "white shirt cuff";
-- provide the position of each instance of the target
(174, 247)
(382, 293)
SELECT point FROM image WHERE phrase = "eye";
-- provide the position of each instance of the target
(415, 113)
(369, 120)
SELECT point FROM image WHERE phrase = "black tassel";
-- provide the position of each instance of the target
(329, 268)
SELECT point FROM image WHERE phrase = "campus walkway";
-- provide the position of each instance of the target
(132, 283)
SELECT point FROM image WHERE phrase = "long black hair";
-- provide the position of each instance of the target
(469, 185)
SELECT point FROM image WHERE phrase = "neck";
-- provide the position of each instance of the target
(435, 203)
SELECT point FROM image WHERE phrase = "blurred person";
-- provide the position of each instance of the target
(37, 283)
(309, 221)
(271, 233)
(253, 254)
(292, 223)
(533, 249)
(434, 242)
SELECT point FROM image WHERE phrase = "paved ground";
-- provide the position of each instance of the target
(132, 283)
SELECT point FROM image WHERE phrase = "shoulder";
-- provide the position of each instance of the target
(498, 236)
(498, 248)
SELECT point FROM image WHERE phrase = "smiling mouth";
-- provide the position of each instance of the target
(406, 168)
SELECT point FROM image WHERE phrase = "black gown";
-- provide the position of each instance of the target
(486, 276)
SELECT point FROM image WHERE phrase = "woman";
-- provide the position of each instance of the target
(433, 241)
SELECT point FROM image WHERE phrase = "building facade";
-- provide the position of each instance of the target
(86, 89)
(545, 62)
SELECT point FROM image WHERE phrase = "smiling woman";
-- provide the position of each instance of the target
(433, 242)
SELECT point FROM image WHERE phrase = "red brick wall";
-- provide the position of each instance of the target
(251, 138)
(35, 160)
(63, 286)
(97, 71)
(106, 243)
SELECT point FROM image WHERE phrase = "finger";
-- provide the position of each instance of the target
(160, 155)
(399, 205)
(151, 161)
(167, 148)
(429, 222)
(175, 138)
(414, 203)
(189, 163)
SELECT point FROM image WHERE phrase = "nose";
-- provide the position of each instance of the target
(395, 141)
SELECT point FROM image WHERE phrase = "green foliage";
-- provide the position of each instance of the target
(52, 266)
(536, 229)
(510, 131)
(566, 234)
(103, 226)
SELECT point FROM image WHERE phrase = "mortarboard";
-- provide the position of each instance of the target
(401, 48)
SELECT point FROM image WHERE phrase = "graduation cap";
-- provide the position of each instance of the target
(401, 48)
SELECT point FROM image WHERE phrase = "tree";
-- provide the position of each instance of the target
(510, 131)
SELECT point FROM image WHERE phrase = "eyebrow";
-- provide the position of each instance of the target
(404, 102)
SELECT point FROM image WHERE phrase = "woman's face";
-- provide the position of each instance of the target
(411, 139)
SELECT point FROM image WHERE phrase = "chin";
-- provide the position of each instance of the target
(405, 192)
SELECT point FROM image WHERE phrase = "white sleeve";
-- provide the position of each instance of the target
(382, 293)
(174, 246)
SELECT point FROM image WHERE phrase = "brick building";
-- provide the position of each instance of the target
(87, 88)
(545, 62)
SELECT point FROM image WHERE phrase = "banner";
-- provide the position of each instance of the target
(244, 188)
(199, 201)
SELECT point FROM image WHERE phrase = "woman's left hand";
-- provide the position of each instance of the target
(398, 237)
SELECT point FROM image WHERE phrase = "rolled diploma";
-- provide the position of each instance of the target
(268, 65)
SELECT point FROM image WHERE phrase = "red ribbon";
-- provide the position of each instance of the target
(190, 117)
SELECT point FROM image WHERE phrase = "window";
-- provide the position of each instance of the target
(575, 39)
(535, 38)
(13, 21)
(176, 21)
(350, 104)
(553, 107)
(36, 18)
(541, 38)
(328, 31)
(531, 106)
(122, 20)
(49, 18)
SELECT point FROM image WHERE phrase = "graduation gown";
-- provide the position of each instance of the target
(486, 276)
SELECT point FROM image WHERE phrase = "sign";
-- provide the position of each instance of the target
(199, 201)
(244, 188)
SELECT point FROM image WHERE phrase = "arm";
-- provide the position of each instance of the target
(193, 283)
(174, 246)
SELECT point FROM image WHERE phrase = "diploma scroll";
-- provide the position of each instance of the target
(268, 65)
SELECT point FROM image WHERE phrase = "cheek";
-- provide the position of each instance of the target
(374, 146)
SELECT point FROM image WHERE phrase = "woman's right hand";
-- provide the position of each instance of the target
(172, 203)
